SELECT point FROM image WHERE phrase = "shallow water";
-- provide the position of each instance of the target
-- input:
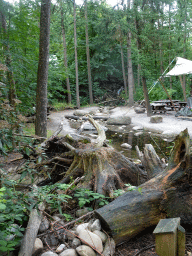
(161, 146)
(133, 138)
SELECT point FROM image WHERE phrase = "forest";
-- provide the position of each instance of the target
(128, 44)
(62, 55)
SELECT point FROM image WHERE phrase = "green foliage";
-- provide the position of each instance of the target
(12, 216)
(86, 196)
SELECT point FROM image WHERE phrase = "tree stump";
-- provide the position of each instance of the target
(104, 169)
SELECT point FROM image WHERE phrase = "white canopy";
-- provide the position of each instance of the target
(182, 67)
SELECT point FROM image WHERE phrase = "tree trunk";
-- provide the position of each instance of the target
(170, 58)
(65, 56)
(166, 195)
(76, 59)
(123, 68)
(88, 56)
(10, 78)
(183, 87)
(42, 75)
(130, 68)
(146, 96)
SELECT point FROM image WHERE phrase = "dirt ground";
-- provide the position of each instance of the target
(170, 126)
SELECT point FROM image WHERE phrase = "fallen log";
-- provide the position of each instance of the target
(28, 240)
(166, 195)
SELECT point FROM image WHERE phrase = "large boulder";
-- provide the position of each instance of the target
(80, 112)
(139, 110)
(119, 120)
(156, 119)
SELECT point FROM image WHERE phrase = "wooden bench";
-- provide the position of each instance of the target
(169, 238)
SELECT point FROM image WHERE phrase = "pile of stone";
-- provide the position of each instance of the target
(85, 239)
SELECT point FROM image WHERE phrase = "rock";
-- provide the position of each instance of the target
(51, 239)
(61, 234)
(85, 250)
(101, 235)
(83, 211)
(92, 112)
(58, 220)
(44, 225)
(126, 145)
(49, 253)
(69, 252)
(109, 247)
(139, 110)
(137, 128)
(60, 248)
(96, 225)
(138, 133)
(91, 239)
(88, 126)
(81, 227)
(119, 120)
(169, 133)
(75, 243)
(156, 119)
(70, 234)
(37, 245)
(79, 113)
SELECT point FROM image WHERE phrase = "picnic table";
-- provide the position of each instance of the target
(168, 104)
(182, 104)
(158, 107)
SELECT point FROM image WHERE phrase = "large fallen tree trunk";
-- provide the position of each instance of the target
(166, 195)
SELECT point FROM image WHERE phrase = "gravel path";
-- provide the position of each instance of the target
(171, 125)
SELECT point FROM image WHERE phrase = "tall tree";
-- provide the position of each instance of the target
(129, 61)
(7, 54)
(42, 74)
(65, 54)
(139, 24)
(76, 58)
(88, 56)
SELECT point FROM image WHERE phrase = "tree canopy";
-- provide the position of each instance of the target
(160, 31)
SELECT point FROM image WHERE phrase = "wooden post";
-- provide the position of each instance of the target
(181, 241)
(166, 237)
(170, 238)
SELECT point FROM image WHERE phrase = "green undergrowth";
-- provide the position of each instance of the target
(59, 106)
(15, 206)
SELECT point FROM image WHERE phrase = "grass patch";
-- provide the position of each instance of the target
(29, 129)
(59, 106)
